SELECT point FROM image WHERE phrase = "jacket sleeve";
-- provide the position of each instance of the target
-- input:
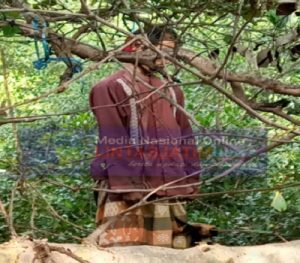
(115, 152)
(188, 141)
(104, 103)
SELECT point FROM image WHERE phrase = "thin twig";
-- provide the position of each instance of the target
(6, 216)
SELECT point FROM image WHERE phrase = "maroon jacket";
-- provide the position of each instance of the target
(166, 150)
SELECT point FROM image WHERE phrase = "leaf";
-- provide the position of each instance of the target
(47, 3)
(227, 39)
(9, 31)
(136, 10)
(276, 20)
(13, 14)
(279, 202)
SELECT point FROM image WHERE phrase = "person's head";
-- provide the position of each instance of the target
(159, 36)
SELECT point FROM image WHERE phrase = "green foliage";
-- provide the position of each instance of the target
(245, 219)
(34, 217)
(9, 31)
(248, 218)
(277, 21)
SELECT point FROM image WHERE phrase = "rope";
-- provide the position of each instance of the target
(42, 63)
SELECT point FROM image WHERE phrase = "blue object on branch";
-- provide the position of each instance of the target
(42, 63)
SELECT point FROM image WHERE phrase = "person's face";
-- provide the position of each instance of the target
(138, 45)
(164, 44)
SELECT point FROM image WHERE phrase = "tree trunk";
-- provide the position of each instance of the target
(39, 251)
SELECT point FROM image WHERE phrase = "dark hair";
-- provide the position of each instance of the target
(157, 33)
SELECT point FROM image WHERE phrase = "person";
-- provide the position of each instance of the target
(145, 144)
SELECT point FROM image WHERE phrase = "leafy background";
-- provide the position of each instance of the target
(56, 201)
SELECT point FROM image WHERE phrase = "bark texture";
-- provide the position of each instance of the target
(26, 251)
